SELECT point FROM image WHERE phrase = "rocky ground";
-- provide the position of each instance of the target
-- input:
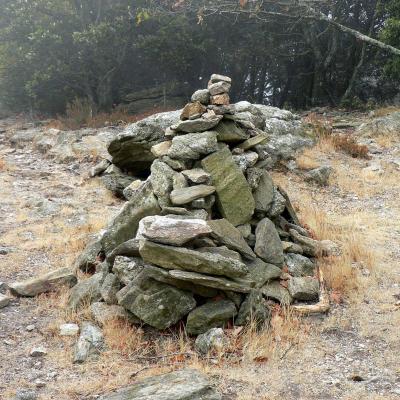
(49, 209)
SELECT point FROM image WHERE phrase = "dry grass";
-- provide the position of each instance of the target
(381, 112)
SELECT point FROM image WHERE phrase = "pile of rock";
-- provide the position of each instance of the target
(207, 238)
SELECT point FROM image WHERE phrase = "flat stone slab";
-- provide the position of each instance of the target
(234, 198)
(174, 231)
(188, 194)
(197, 175)
(170, 257)
(202, 124)
(210, 281)
(254, 141)
(228, 131)
(45, 283)
(186, 384)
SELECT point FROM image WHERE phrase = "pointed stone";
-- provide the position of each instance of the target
(254, 141)
(264, 194)
(268, 243)
(225, 233)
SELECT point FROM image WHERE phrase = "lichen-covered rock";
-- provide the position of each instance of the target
(228, 131)
(193, 110)
(181, 258)
(86, 291)
(109, 288)
(197, 175)
(225, 233)
(210, 315)
(205, 123)
(187, 195)
(125, 225)
(162, 178)
(299, 265)
(253, 309)
(90, 342)
(193, 145)
(127, 269)
(234, 198)
(115, 180)
(44, 283)
(186, 384)
(158, 304)
(202, 96)
(261, 272)
(246, 160)
(319, 175)
(131, 149)
(304, 288)
(268, 243)
(274, 290)
(212, 340)
(264, 193)
(103, 313)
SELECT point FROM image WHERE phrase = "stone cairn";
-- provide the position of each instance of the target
(207, 238)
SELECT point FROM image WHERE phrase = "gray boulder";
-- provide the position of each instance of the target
(88, 260)
(319, 175)
(210, 315)
(157, 304)
(109, 288)
(44, 283)
(162, 179)
(299, 265)
(186, 384)
(4, 300)
(235, 200)
(304, 288)
(261, 272)
(268, 243)
(212, 340)
(187, 195)
(130, 248)
(274, 290)
(127, 268)
(202, 96)
(116, 181)
(103, 313)
(230, 132)
(253, 309)
(131, 149)
(193, 145)
(205, 123)
(125, 225)
(264, 193)
(86, 291)
(386, 125)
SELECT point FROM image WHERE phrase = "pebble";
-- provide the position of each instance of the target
(24, 394)
(38, 352)
(30, 328)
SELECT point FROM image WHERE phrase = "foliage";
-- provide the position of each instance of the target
(54, 51)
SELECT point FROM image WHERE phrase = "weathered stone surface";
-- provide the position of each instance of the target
(211, 281)
(69, 330)
(109, 288)
(102, 313)
(222, 99)
(174, 231)
(124, 226)
(25, 394)
(187, 195)
(299, 265)
(319, 175)
(261, 272)
(4, 300)
(90, 342)
(274, 290)
(278, 205)
(131, 148)
(99, 168)
(225, 233)
(253, 309)
(268, 244)
(210, 315)
(158, 304)
(204, 202)
(179, 181)
(290, 247)
(205, 123)
(220, 78)
(234, 197)
(304, 288)
(202, 96)
(186, 384)
(219, 88)
(197, 175)
(228, 131)
(386, 125)
(254, 141)
(264, 193)
(115, 180)
(254, 177)
(313, 247)
(127, 268)
(176, 165)
(212, 340)
(130, 248)
(87, 290)
(245, 230)
(132, 188)
(161, 149)
(222, 110)
(246, 160)
(161, 178)
(193, 145)
(45, 283)
(193, 110)
(170, 257)
(221, 250)
(38, 351)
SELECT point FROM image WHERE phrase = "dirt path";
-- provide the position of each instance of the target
(48, 210)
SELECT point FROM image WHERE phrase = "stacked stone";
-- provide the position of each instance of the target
(208, 238)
